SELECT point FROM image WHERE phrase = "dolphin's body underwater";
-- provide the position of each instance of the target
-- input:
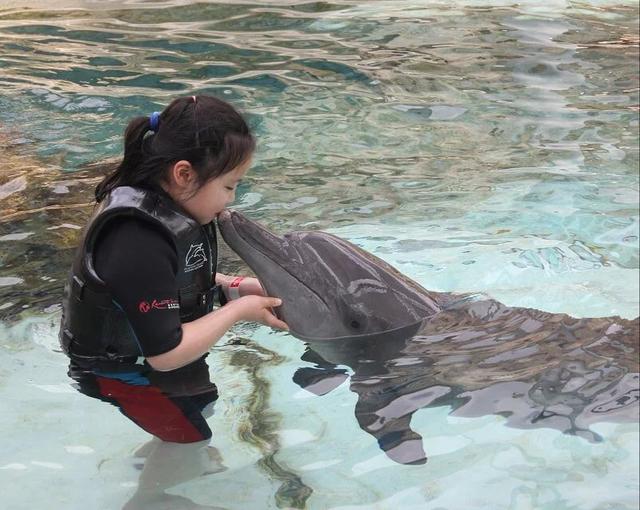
(409, 348)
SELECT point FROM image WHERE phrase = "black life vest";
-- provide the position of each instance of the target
(94, 327)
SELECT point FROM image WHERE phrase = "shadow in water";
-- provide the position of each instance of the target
(167, 465)
(173, 407)
(480, 357)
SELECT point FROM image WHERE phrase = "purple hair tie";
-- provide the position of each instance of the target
(154, 121)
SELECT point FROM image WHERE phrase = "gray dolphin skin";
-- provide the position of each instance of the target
(405, 348)
(330, 288)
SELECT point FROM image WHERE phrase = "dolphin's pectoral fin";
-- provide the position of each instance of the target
(395, 437)
(384, 410)
(319, 381)
(394, 434)
(403, 446)
(312, 356)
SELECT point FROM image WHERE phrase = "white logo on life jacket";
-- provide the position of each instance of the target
(195, 258)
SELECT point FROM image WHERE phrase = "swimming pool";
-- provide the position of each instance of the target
(478, 147)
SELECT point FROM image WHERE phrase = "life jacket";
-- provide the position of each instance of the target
(94, 327)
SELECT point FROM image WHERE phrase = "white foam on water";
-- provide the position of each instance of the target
(15, 466)
(49, 465)
(79, 449)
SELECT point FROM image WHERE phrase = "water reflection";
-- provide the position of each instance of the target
(481, 357)
(167, 465)
(171, 406)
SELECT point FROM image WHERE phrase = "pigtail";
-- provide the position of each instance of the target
(130, 171)
(206, 131)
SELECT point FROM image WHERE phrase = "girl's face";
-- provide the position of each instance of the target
(212, 197)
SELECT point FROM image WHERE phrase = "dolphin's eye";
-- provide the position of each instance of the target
(354, 317)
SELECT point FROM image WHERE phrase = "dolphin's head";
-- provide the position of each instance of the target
(329, 288)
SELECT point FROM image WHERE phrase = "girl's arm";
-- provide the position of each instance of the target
(199, 335)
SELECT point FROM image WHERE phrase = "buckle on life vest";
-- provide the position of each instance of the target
(207, 298)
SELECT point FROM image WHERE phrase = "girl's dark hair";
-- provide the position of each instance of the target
(207, 132)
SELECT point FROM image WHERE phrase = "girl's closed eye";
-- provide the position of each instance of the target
(230, 188)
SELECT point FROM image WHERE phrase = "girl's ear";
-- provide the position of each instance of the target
(182, 176)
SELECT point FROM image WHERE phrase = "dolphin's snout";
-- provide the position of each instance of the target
(250, 239)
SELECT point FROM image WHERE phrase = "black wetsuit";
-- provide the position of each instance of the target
(139, 263)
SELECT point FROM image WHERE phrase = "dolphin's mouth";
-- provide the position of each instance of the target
(232, 232)
(231, 223)
(399, 333)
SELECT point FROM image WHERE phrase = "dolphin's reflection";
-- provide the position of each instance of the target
(480, 357)
(173, 407)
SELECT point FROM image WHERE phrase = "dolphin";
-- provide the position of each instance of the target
(331, 290)
(405, 347)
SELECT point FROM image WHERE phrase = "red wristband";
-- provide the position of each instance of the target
(234, 288)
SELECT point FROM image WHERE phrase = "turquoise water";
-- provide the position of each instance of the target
(478, 147)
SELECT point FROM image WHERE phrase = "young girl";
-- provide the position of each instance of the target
(144, 278)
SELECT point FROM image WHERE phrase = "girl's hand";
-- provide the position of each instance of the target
(258, 309)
